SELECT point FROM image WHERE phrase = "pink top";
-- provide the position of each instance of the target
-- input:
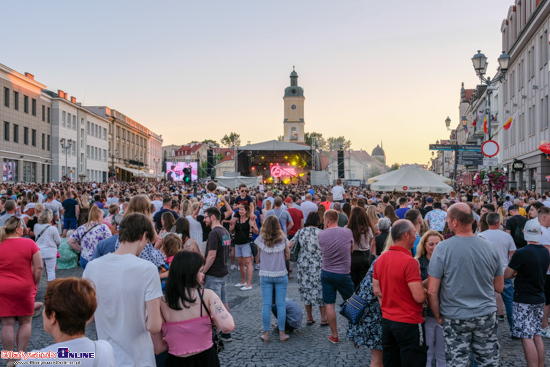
(188, 336)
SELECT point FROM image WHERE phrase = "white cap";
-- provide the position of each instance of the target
(28, 207)
(532, 231)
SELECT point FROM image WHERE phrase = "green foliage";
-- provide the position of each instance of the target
(395, 167)
(374, 171)
(319, 140)
(229, 140)
(339, 142)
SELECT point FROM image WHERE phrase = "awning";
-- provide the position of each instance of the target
(135, 172)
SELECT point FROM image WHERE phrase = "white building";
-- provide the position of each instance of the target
(79, 140)
(525, 92)
(155, 154)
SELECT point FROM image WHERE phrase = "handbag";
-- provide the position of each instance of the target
(295, 250)
(216, 335)
(353, 309)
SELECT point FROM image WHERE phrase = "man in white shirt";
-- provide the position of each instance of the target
(114, 198)
(308, 206)
(128, 294)
(338, 192)
(505, 246)
(157, 202)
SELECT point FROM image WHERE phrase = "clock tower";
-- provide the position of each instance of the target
(294, 111)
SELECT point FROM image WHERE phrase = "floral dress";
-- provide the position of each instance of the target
(309, 266)
(368, 331)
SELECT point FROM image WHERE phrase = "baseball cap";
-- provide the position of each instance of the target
(430, 200)
(28, 207)
(532, 231)
(288, 199)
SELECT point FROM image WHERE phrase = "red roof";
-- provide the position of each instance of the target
(189, 149)
(228, 155)
(468, 93)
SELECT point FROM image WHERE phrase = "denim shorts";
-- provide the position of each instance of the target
(243, 250)
(69, 223)
(332, 283)
(217, 285)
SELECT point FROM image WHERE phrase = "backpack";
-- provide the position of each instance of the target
(519, 239)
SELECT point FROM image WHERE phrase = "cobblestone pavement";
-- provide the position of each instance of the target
(307, 346)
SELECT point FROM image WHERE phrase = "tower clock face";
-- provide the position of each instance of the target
(293, 107)
(293, 91)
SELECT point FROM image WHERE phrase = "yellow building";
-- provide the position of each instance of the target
(294, 111)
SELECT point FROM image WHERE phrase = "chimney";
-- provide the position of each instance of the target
(60, 93)
(29, 75)
(65, 96)
(73, 99)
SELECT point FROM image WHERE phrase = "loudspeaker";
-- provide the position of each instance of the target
(341, 173)
(210, 162)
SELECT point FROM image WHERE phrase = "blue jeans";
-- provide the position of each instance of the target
(508, 299)
(269, 284)
(83, 262)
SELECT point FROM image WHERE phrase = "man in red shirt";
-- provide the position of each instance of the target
(297, 217)
(398, 286)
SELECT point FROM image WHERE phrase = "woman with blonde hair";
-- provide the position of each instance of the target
(87, 236)
(20, 272)
(273, 248)
(502, 212)
(139, 204)
(434, 332)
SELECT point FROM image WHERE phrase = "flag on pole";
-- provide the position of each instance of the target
(508, 123)
(485, 124)
(466, 128)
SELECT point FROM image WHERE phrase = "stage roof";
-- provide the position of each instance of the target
(276, 145)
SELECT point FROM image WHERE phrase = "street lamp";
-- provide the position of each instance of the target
(66, 145)
(480, 63)
(455, 146)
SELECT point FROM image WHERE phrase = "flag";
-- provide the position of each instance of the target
(466, 128)
(485, 124)
(508, 123)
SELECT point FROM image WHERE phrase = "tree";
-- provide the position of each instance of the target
(319, 140)
(374, 171)
(280, 138)
(339, 142)
(210, 141)
(203, 167)
(229, 140)
(394, 166)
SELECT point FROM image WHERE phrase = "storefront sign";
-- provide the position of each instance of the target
(518, 166)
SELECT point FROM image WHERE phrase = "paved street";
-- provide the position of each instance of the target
(307, 346)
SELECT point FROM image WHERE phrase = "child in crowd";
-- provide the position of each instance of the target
(171, 245)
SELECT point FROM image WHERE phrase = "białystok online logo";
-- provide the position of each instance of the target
(62, 354)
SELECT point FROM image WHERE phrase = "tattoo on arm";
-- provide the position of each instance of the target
(218, 309)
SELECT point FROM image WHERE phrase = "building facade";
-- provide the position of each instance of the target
(294, 122)
(155, 155)
(25, 115)
(525, 92)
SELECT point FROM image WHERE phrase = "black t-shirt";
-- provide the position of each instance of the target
(531, 263)
(225, 222)
(70, 207)
(157, 218)
(30, 225)
(218, 239)
(239, 199)
(512, 224)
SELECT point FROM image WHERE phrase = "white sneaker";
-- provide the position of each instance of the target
(240, 285)
(246, 288)
(233, 267)
(545, 332)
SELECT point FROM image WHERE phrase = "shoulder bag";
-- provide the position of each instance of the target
(295, 250)
(216, 335)
(354, 308)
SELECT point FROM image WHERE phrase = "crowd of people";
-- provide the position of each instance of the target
(435, 273)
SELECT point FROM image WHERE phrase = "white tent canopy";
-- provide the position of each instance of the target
(411, 180)
(389, 174)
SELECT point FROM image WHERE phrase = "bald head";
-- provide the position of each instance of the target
(462, 213)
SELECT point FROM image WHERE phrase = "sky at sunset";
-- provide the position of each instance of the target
(192, 70)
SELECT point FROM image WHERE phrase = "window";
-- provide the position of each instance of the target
(73, 148)
(26, 104)
(26, 135)
(6, 131)
(33, 105)
(104, 155)
(6, 97)
(63, 118)
(544, 122)
(88, 128)
(104, 134)
(16, 100)
(87, 151)
(74, 122)
(531, 120)
(520, 126)
(48, 140)
(68, 121)
(49, 120)
(33, 137)
(82, 138)
(9, 169)
(43, 113)
(15, 133)
(43, 141)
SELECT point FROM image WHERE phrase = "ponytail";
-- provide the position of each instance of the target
(3, 234)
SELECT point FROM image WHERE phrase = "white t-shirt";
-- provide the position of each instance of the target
(40, 197)
(195, 229)
(123, 284)
(503, 244)
(545, 240)
(308, 207)
(157, 204)
(48, 241)
(338, 193)
(102, 348)
(112, 200)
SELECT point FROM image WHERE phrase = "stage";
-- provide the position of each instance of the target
(277, 161)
